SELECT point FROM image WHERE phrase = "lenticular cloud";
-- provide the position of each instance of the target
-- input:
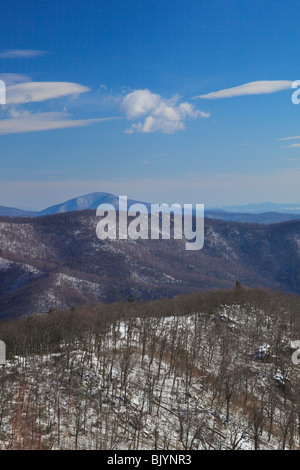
(251, 88)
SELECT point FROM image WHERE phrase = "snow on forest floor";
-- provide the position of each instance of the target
(202, 381)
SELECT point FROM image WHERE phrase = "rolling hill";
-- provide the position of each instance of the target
(57, 261)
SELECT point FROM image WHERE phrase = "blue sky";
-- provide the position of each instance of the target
(119, 96)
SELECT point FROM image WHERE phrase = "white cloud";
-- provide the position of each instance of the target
(139, 102)
(21, 122)
(21, 53)
(13, 78)
(290, 146)
(31, 92)
(20, 92)
(252, 88)
(157, 113)
(290, 138)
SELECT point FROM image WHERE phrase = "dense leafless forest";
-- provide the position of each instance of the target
(210, 370)
(57, 261)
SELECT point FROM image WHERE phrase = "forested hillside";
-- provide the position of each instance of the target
(58, 262)
(209, 370)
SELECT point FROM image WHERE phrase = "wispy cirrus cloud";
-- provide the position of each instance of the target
(32, 92)
(246, 144)
(290, 138)
(290, 146)
(24, 121)
(13, 78)
(17, 119)
(21, 53)
(153, 113)
(251, 88)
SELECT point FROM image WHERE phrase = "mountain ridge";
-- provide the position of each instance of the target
(251, 213)
(57, 261)
(262, 208)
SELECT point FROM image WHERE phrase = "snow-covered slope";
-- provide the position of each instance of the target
(89, 201)
(214, 380)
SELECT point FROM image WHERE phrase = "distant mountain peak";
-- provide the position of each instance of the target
(267, 212)
(87, 202)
